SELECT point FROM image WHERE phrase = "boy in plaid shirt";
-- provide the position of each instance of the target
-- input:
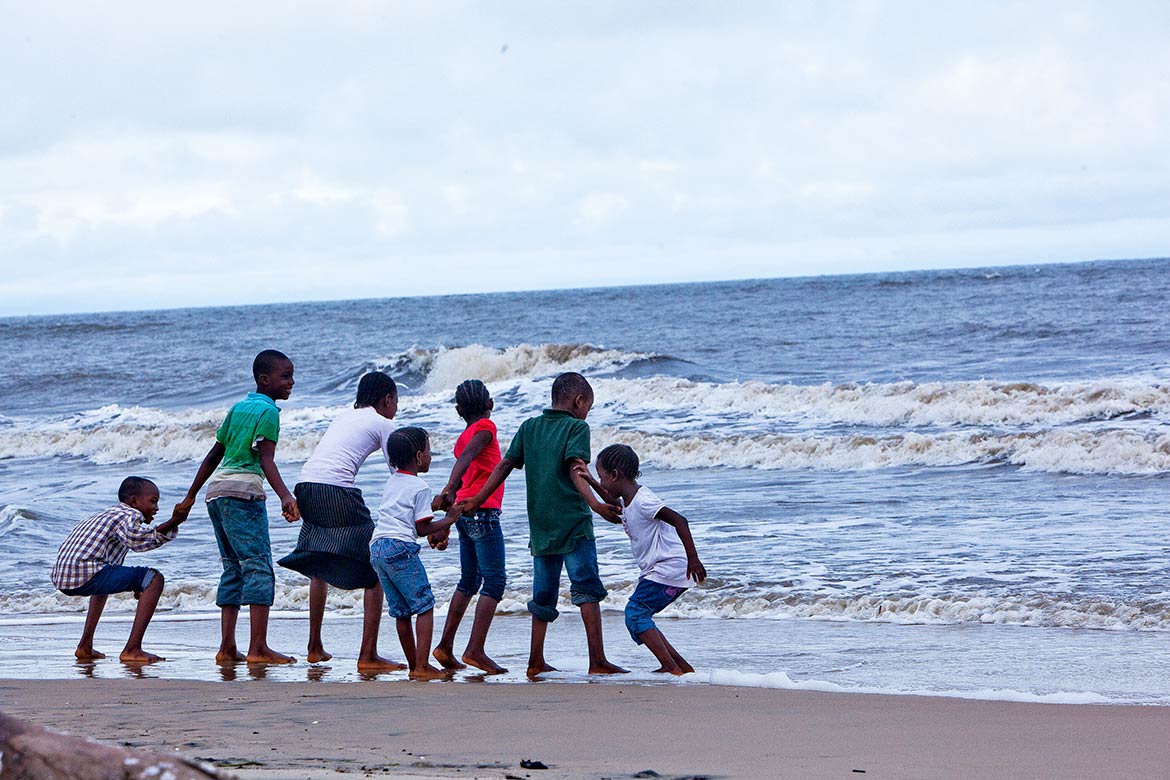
(89, 563)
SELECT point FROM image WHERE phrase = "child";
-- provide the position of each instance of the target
(404, 515)
(89, 563)
(661, 541)
(334, 544)
(481, 542)
(559, 523)
(234, 470)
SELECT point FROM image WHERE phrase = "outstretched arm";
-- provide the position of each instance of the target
(608, 511)
(494, 480)
(210, 463)
(695, 569)
(288, 505)
(583, 469)
(446, 496)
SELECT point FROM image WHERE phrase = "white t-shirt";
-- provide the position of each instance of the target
(405, 501)
(345, 446)
(655, 544)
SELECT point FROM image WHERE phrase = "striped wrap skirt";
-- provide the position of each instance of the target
(334, 543)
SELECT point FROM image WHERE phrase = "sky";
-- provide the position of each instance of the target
(157, 155)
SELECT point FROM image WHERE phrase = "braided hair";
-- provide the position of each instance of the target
(620, 458)
(472, 399)
(404, 445)
(373, 387)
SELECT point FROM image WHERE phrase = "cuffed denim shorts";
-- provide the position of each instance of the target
(649, 599)
(481, 554)
(115, 579)
(241, 531)
(584, 580)
(403, 578)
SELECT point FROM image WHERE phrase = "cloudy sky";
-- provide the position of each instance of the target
(163, 154)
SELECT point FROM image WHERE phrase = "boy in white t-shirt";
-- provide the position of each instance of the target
(661, 541)
(403, 516)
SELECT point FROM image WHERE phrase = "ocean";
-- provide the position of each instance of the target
(937, 482)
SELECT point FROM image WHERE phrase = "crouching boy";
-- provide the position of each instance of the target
(89, 563)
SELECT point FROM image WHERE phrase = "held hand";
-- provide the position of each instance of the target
(440, 539)
(185, 505)
(581, 470)
(468, 506)
(610, 512)
(288, 508)
(180, 512)
(441, 502)
(695, 570)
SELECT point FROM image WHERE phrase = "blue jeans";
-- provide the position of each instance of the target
(115, 579)
(584, 580)
(241, 531)
(481, 554)
(649, 599)
(403, 578)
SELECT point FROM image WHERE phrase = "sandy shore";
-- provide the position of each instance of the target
(444, 730)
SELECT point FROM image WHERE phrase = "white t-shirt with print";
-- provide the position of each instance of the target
(655, 544)
(405, 500)
(350, 439)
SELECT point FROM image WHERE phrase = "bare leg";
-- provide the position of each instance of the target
(668, 658)
(444, 651)
(536, 663)
(368, 658)
(475, 655)
(318, 592)
(147, 602)
(258, 650)
(85, 649)
(424, 626)
(406, 639)
(591, 617)
(228, 652)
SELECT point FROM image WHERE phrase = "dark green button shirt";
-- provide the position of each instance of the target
(557, 515)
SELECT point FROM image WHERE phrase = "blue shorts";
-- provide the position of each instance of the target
(403, 578)
(584, 580)
(481, 554)
(649, 599)
(115, 579)
(241, 531)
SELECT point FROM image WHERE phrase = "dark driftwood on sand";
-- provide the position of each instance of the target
(33, 753)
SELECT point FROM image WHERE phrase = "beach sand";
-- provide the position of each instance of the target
(261, 729)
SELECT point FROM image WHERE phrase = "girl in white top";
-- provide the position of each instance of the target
(662, 544)
(334, 544)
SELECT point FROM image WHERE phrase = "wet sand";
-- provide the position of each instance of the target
(262, 729)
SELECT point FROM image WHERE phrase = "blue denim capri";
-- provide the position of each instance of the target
(584, 580)
(403, 578)
(649, 599)
(241, 531)
(481, 554)
(115, 579)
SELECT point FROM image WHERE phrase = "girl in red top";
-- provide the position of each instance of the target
(481, 541)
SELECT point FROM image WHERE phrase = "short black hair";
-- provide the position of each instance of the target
(266, 362)
(620, 458)
(404, 445)
(373, 387)
(472, 398)
(133, 486)
(569, 385)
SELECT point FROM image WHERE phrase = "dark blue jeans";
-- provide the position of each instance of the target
(584, 580)
(241, 531)
(481, 554)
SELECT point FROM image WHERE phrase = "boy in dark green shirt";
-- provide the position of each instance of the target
(560, 525)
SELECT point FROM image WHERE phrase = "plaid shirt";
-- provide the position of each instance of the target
(103, 540)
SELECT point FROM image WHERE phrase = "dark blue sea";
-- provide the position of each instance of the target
(945, 482)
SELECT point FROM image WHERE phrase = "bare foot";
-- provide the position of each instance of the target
(672, 670)
(318, 654)
(482, 662)
(428, 672)
(87, 653)
(269, 656)
(232, 656)
(139, 657)
(605, 667)
(379, 664)
(535, 670)
(446, 660)
(686, 668)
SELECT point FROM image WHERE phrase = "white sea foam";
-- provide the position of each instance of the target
(449, 367)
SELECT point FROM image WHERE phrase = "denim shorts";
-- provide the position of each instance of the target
(481, 554)
(241, 531)
(584, 580)
(115, 579)
(649, 599)
(403, 578)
